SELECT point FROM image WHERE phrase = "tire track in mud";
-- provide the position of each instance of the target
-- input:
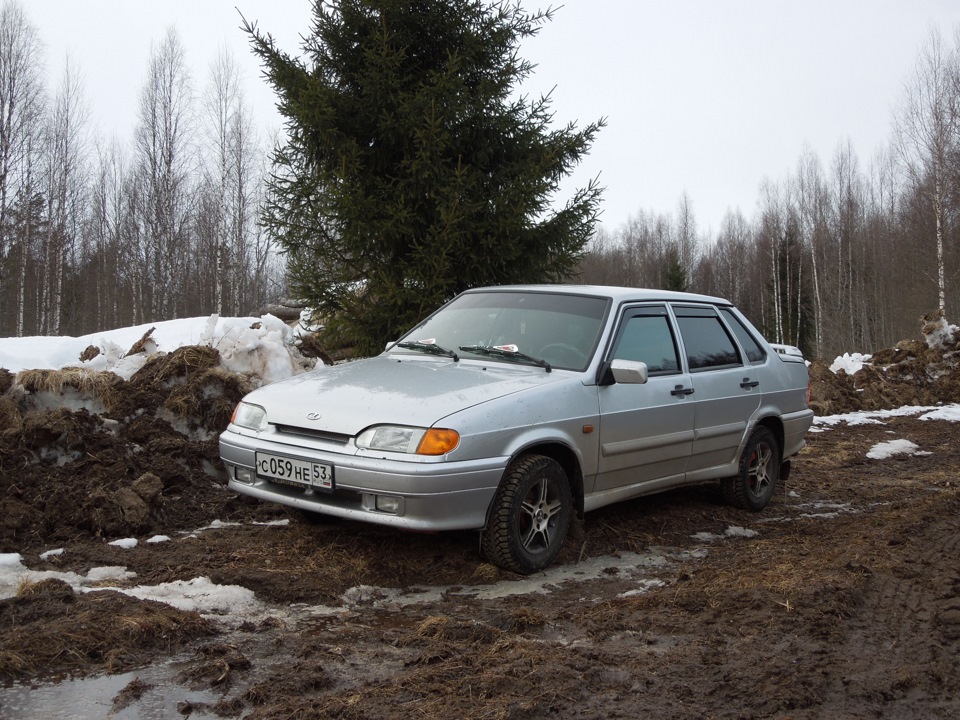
(900, 654)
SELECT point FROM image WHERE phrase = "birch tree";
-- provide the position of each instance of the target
(926, 127)
(231, 183)
(21, 109)
(164, 166)
(810, 196)
(65, 179)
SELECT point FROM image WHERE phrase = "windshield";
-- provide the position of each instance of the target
(557, 328)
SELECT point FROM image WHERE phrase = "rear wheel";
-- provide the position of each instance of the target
(530, 516)
(756, 482)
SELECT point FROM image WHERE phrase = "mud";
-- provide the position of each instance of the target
(839, 600)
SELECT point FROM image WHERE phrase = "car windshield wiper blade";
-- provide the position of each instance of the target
(510, 352)
(429, 346)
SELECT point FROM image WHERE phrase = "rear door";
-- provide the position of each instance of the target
(646, 431)
(726, 388)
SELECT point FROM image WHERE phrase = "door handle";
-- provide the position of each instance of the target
(681, 390)
(748, 383)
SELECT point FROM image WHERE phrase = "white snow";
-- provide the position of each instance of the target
(14, 574)
(942, 334)
(849, 363)
(884, 450)
(260, 348)
(732, 531)
(125, 543)
(200, 595)
(950, 413)
(876, 417)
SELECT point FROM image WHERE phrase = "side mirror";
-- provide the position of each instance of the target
(389, 345)
(629, 372)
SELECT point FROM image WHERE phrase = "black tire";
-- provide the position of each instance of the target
(530, 516)
(756, 482)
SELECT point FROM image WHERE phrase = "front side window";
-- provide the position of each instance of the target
(645, 335)
(706, 340)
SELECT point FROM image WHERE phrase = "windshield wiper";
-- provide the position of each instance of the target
(429, 346)
(510, 352)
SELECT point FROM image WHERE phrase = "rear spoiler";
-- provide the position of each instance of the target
(788, 351)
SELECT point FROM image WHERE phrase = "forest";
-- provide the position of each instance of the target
(840, 255)
(97, 234)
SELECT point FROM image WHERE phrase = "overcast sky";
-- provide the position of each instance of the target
(707, 97)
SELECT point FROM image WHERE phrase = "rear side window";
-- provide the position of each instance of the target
(706, 340)
(645, 336)
(749, 344)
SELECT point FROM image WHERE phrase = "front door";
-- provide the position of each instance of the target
(646, 431)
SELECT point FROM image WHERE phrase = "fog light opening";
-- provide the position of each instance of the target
(387, 504)
(244, 475)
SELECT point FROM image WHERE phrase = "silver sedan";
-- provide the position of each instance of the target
(512, 408)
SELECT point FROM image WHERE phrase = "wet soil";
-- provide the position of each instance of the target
(840, 600)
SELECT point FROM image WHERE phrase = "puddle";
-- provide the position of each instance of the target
(87, 698)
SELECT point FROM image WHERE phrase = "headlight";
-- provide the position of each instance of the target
(252, 417)
(420, 441)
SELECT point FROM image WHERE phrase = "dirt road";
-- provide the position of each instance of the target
(842, 599)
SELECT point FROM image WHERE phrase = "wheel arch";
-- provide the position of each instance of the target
(564, 456)
(775, 425)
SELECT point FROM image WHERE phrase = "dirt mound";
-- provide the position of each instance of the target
(914, 372)
(89, 453)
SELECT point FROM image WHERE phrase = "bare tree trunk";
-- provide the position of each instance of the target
(163, 156)
(65, 184)
(21, 107)
(926, 136)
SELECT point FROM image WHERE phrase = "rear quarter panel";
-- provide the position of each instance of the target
(784, 380)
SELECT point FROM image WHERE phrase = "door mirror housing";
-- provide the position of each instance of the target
(629, 372)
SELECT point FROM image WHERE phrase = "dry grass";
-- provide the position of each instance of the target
(10, 416)
(102, 386)
(49, 629)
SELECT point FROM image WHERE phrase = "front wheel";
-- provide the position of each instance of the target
(529, 517)
(753, 486)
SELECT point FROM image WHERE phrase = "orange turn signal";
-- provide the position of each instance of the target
(437, 441)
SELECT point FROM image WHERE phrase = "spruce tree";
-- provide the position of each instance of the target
(413, 168)
(674, 276)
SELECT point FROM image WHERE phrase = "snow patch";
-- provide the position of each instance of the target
(125, 543)
(732, 531)
(884, 450)
(850, 363)
(940, 335)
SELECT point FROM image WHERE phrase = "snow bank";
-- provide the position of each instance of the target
(261, 348)
(940, 334)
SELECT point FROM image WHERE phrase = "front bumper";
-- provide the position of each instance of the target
(432, 495)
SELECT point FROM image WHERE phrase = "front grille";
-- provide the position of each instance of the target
(338, 438)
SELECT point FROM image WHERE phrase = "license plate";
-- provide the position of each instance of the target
(291, 470)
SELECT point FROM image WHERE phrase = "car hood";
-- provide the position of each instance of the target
(349, 398)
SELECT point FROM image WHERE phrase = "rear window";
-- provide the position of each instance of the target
(749, 344)
(707, 343)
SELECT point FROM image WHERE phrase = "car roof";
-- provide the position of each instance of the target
(616, 293)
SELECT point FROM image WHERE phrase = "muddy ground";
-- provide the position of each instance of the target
(840, 600)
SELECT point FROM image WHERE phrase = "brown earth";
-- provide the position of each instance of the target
(842, 600)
